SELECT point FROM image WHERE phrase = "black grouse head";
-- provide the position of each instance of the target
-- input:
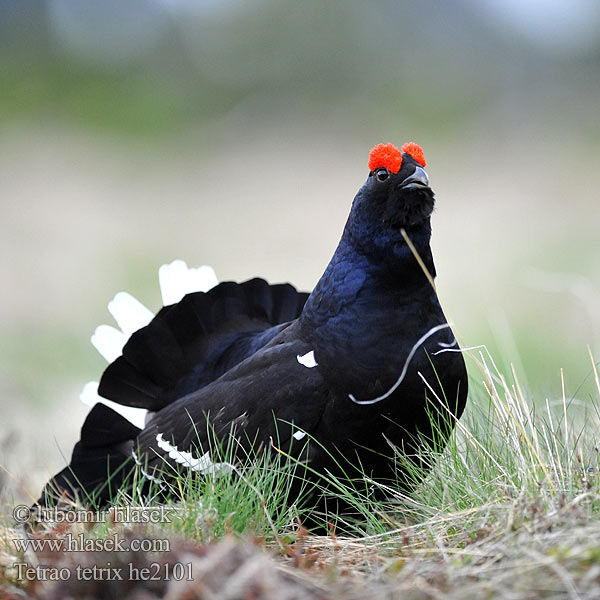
(395, 196)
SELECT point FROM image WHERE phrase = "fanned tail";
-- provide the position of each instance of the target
(156, 359)
(193, 342)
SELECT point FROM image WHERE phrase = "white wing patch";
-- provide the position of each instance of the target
(89, 395)
(299, 434)
(308, 359)
(203, 464)
(177, 279)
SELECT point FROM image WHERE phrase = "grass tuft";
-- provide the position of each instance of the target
(509, 508)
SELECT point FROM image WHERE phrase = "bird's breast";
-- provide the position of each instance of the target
(366, 352)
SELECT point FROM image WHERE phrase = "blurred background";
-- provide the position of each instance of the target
(236, 134)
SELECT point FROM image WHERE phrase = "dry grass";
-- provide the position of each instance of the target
(520, 550)
(510, 510)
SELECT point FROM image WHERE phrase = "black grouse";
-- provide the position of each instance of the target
(336, 378)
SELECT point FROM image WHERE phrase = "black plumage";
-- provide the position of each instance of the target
(346, 365)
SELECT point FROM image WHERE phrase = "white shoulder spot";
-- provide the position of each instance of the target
(308, 359)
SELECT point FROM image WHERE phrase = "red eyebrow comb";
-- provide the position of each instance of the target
(385, 156)
(415, 151)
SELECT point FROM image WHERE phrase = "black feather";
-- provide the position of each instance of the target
(98, 467)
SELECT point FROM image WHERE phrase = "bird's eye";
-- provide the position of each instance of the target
(381, 174)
